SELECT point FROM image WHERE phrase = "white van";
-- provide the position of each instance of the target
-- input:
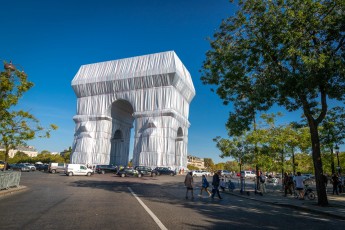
(78, 169)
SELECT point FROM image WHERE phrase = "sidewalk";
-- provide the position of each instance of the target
(10, 191)
(335, 209)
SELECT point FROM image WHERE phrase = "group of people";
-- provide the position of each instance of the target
(291, 182)
(216, 184)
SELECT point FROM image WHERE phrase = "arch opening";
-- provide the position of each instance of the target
(122, 123)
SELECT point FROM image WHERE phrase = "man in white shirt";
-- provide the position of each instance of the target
(299, 185)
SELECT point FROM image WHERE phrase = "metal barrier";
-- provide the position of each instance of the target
(9, 179)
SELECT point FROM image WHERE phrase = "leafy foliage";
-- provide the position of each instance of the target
(16, 127)
(289, 53)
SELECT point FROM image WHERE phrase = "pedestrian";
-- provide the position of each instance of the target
(299, 184)
(335, 182)
(222, 185)
(188, 182)
(204, 186)
(215, 184)
(287, 184)
(262, 183)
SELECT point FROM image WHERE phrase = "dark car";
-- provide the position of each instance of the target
(20, 167)
(128, 172)
(102, 169)
(145, 171)
(164, 171)
(42, 167)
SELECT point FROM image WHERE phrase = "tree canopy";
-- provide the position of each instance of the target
(285, 52)
(17, 126)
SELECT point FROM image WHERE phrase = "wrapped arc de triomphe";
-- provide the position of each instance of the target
(153, 92)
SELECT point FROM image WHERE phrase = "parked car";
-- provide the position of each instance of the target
(145, 171)
(31, 166)
(78, 170)
(102, 169)
(2, 165)
(201, 172)
(42, 167)
(226, 173)
(164, 171)
(206, 173)
(56, 167)
(128, 171)
(248, 174)
(20, 167)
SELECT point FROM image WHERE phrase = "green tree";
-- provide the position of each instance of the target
(289, 53)
(332, 131)
(16, 126)
(209, 164)
(45, 152)
(232, 166)
(237, 147)
(192, 167)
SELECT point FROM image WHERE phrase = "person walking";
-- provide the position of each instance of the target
(204, 186)
(188, 182)
(299, 185)
(262, 183)
(335, 182)
(287, 184)
(215, 184)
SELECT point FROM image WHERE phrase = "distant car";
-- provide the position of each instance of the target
(31, 166)
(20, 167)
(128, 171)
(2, 165)
(145, 171)
(56, 167)
(164, 171)
(78, 170)
(42, 167)
(197, 173)
(226, 173)
(206, 173)
(248, 174)
(102, 169)
(201, 172)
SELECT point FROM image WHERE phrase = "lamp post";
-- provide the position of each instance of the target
(337, 152)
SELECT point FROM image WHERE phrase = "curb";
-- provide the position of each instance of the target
(10, 191)
(289, 205)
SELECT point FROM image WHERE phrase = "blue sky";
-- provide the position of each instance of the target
(50, 40)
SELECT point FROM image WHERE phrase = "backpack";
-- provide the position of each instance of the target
(262, 178)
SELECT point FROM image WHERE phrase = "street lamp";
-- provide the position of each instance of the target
(337, 152)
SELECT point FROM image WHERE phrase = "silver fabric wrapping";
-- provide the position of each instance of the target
(151, 93)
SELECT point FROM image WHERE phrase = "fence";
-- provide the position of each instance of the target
(9, 179)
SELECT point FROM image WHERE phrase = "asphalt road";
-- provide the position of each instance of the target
(56, 201)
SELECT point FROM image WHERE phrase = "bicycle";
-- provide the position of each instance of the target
(308, 192)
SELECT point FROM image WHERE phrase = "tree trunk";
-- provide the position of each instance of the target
(282, 172)
(293, 162)
(7, 150)
(320, 185)
(332, 161)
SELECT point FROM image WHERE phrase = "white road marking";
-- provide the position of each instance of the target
(154, 217)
